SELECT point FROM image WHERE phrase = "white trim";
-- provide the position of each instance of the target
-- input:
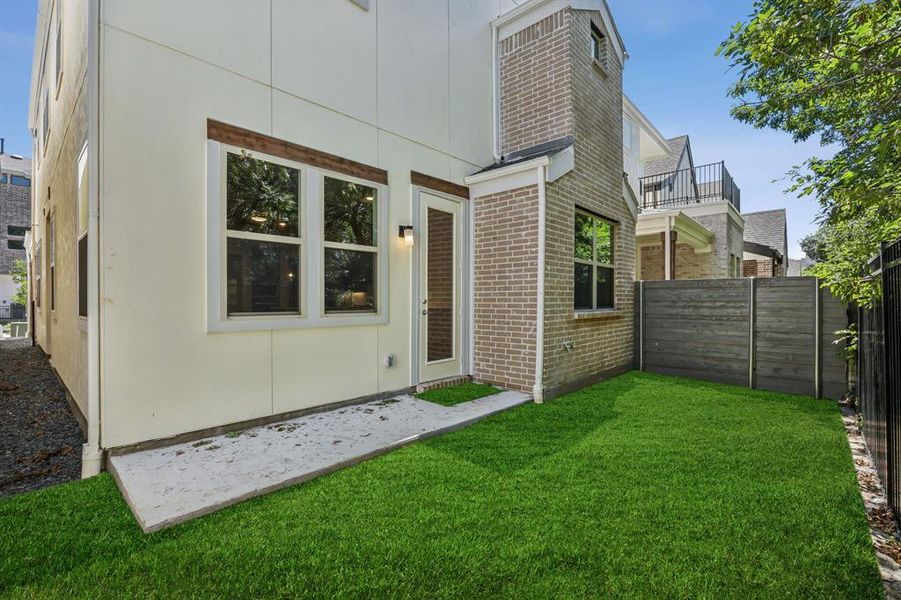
(521, 174)
(91, 453)
(538, 388)
(311, 242)
(633, 112)
(465, 281)
(525, 166)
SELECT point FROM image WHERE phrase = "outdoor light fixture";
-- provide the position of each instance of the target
(406, 232)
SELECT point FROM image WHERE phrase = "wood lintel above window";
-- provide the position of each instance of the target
(251, 140)
(439, 185)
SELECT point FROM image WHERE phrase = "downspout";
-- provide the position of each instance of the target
(538, 388)
(92, 453)
(495, 97)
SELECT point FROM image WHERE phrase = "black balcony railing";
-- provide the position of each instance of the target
(707, 183)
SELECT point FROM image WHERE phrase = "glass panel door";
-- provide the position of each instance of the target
(439, 309)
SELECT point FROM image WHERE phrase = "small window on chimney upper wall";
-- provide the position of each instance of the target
(598, 47)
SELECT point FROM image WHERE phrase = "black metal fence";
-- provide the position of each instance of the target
(12, 312)
(879, 371)
(706, 183)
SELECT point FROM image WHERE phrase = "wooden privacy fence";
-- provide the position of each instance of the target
(770, 334)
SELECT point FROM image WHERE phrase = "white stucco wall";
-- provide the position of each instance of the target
(404, 85)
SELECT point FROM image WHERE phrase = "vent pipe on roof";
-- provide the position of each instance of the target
(2, 144)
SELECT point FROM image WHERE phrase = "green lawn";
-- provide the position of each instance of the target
(639, 486)
(458, 393)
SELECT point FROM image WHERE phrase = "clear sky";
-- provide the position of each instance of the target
(672, 75)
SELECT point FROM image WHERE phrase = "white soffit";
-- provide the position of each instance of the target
(521, 174)
(689, 231)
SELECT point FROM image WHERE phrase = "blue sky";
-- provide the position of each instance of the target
(672, 75)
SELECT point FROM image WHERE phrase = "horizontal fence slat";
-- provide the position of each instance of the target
(700, 329)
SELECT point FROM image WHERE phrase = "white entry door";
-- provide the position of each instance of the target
(441, 283)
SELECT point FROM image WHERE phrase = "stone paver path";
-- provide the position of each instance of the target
(169, 485)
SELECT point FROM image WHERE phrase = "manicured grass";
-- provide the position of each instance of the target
(639, 486)
(458, 393)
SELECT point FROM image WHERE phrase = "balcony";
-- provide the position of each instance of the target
(688, 187)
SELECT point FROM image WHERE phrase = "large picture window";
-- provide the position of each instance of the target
(292, 244)
(349, 246)
(263, 241)
(593, 271)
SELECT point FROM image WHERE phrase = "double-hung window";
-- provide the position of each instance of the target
(593, 271)
(263, 236)
(350, 251)
(293, 244)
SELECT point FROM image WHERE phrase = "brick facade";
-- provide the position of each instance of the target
(505, 288)
(535, 84)
(15, 210)
(551, 87)
(760, 268)
(603, 342)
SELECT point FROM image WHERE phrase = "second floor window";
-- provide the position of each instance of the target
(593, 270)
(598, 46)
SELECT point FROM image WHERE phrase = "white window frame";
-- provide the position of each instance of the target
(352, 247)
(594, 264)
(311, 242)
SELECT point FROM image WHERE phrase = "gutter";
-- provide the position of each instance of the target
(92, 453)
(495, 96)
(538, 388)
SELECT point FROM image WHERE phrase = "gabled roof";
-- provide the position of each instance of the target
(670, 162)
(531, 11)
(768, 228)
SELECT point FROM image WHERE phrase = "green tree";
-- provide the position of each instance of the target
(832, 69)
(19, 274)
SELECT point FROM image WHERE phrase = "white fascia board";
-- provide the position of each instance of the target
(629, 197)
(42, 31)
(521, 174)
(646, 126)
(690, 231)
(529, 13)
(526, 14)
(561, 163)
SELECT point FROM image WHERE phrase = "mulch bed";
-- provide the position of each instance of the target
(40, 441)
(883, 526)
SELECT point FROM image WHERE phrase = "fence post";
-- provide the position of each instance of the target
(641, 325)
(751, 332)
(818, 344)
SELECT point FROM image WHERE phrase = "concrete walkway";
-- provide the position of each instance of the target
(169, 485)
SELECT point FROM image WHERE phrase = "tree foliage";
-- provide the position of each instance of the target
(19, 274)
(832, 69)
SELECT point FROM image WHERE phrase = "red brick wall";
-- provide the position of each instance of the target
(535, 84)
(505, 287)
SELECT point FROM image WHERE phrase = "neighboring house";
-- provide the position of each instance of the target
(766, 244)
(797, 266)
(15, 221)
(265, 208)
(689, 226)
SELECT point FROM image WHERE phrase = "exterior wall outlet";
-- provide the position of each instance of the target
(389, 360)
(568, 346)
